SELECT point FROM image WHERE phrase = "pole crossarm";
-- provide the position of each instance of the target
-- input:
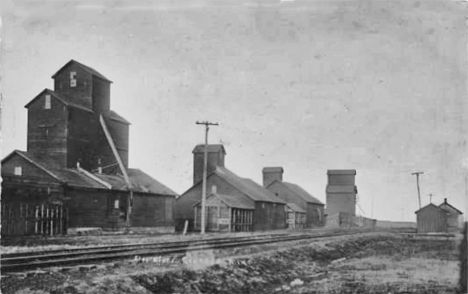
(417, 183)
(205, 167)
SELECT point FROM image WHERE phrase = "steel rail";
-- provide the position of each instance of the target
(22, 263)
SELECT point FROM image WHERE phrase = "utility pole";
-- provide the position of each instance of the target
(417, 183)
(205, 167)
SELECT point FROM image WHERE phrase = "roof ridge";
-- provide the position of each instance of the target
(310, 196)
(271, 197)
(40, 166)
(89, 69)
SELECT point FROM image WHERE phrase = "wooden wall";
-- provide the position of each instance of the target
(315, 215)
(431, 219)
(151, 210)
(82, 92)
(47, 129)
(269, 216)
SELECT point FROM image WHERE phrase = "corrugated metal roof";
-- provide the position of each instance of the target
(301, 193)
(341, 189)
(90, 70)
(247, 186)
(211, 148)
(295, 207)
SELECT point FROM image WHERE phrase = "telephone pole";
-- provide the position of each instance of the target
(417, 183)
(205, 167)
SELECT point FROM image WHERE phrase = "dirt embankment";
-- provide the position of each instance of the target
(366, 264)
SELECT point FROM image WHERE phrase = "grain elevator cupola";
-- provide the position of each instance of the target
(271, 174)
(64, 124)
(341, 192)
(87, 86)
(216, 153)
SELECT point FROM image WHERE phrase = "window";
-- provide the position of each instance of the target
(18, 171)
(72, 79)
(116, 204)
(47, 102)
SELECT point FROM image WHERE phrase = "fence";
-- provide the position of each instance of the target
(344, 220)
(27, 219)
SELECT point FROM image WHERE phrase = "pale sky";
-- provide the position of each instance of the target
(376, 86)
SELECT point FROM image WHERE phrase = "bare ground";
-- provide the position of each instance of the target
(368, 263)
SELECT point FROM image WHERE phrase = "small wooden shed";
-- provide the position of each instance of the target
(226, 213)
(431, 219)
(296, 216)
(454, 217)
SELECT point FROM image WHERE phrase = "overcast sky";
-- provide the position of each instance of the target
(376, 86)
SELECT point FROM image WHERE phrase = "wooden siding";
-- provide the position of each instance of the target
(82, 138)
(82, 93)
(214, 159)
(95, 208)
(47, 129)
(315, 212)
(29, 171)
(101, 96)
(453, 218)
(431, 219)
(151, 210)
(341, 202)
(184, 204)
(285, 194)
(120, 134)
(315, 215)
(222, 218)
(269, 216)
(341, 180)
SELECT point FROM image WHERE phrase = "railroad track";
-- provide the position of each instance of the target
(14, 262)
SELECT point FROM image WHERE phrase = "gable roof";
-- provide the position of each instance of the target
(86, 68)
(298, 191)
(115, 116)
(430, 205)
(449, 205)
(141, 181)
(71, 177)
(70, 102)
(44, 165)
(65, 100)
(295, 207)
(240, 201)
(251, 189)
(211, 148)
